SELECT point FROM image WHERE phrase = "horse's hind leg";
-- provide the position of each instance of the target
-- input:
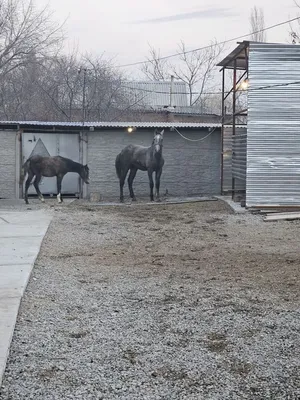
(122, 182)
(131, 177)
(36, 186)
(27, 184)
(59, 197)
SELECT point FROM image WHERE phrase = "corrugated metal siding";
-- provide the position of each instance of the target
(157, 93)
(227, 159)
(239, 155)
(7, 165)
(273, 144)
(191, 168)
(230, 162)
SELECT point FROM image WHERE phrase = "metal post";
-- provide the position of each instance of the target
(222, 131)
(171, 90)
(83, 97)
(83, 93)
(233, 119)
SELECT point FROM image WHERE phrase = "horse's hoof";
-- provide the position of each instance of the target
(133, 198)
(158, 200)
(121, 200)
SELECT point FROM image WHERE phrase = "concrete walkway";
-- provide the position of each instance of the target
(21, 235)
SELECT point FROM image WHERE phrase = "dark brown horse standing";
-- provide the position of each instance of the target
(149, 159)
(38, 166)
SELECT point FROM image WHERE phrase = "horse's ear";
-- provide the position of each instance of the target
(162, 132)
(155, 132)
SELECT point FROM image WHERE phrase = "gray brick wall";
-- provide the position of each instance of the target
(191, 168)
(7, 164)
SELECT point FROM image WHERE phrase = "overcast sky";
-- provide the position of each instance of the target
(123, 28)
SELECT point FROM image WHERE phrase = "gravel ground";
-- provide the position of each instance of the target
(159, 302)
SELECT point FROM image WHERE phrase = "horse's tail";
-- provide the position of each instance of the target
(118, 165)
(24, 170)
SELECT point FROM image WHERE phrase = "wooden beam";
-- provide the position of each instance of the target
(282, 216)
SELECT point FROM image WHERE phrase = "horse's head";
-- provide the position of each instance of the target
(158, 140)
(85, 174)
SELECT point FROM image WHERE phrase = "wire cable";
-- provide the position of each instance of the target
(214, 93)
(211, 45)
(195, 140)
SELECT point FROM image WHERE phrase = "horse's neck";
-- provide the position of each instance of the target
(75, 166)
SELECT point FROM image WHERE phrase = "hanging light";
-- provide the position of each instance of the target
(131, 129)
(243, 85)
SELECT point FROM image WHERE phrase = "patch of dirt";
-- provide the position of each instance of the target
(181, 302)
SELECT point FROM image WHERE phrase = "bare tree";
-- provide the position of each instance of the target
(294, 32)
(38, 82)
(156, 68)
(52, 89)
(25, 30)
(257, 24)
(194, 68)
(61, 85)
(106, 96)
(197, 69)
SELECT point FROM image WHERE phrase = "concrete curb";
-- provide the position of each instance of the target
(21, 236)
(236, 207)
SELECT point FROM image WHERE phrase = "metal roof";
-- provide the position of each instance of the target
(239, 54)
(114, 124)
(156, 94)
(193, 110)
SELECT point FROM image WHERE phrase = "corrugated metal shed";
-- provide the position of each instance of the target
(239, 158)
(156, 94)
(234, 158)
(273, 142)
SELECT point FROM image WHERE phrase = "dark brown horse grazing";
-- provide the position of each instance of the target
(58, 166)
(149, 159)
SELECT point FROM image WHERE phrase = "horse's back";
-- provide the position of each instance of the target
(131, 149)
(48, 166)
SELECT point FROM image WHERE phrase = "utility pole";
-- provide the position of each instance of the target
(171, 90)
(84, 70)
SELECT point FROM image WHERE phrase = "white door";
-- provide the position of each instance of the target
(53, 144)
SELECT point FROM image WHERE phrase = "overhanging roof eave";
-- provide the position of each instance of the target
(238, 55)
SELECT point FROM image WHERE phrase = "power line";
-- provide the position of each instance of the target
(214, 93)
(162, 92)
(211, 45)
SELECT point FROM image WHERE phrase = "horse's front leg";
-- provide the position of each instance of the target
(59, 180)
(150, 172)
(157, 183)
